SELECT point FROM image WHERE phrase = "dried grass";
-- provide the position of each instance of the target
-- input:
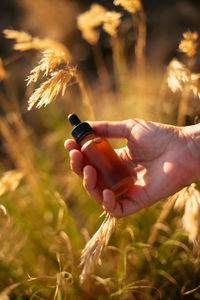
(25, 41)
(189, 200)
(130, 5)
(96, 16)
(10, 181)
(90, 255)
(50, 89)
(188, 44)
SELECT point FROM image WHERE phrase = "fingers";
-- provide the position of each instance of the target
(71, 144)
(90, 183)
(117, 129)
(76, 162)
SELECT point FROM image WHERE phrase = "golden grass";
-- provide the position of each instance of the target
(90, 255)
(10, 180)
(189, 200)
(24, 41)
(130, 5)
(188, 44)
(97, 15)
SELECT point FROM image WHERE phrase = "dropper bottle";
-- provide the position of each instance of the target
(111, 171)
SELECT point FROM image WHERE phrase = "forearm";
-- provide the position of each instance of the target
(192, 136)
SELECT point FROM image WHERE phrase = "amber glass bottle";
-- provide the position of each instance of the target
(112, 173)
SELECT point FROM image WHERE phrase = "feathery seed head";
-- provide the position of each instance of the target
(97, 15)
(10, 181)
(195, 83)
(49, 89)
(50, 60)
(189, 199)
(25, 41)
(93, 249)
(89, 20)
(130, 5)
(111, 22)
(178, 74)
(188, 44)
(19, 36)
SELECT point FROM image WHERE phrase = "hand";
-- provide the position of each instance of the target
(158, 154)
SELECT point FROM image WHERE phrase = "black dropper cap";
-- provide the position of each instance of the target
(81, 129)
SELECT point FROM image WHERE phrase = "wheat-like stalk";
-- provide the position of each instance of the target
(90, 255)
(96, 16)
(10, 180)
(188, 44)
(189, 200)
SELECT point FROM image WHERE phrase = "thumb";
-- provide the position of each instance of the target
(117, 129)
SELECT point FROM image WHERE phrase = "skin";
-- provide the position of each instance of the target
(162, 158)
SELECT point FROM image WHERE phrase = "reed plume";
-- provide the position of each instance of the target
(188, 44)
(50, 89)
(178, 75)
(130, 5)
(189, 200)
(96, 16)
(10, 180)
(24, 41)
(55, 62)
(90, 255)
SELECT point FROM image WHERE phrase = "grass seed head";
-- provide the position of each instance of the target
(25, 41)
(189, 200)
(188, 44)
(96, 16)
(130, 5)
(111, 22)
(49, 89)
(10, 181)
(178, 74)
(195, 84)
(91, 253)
(50, 60)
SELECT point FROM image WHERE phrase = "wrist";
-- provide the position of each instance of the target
(192, 138)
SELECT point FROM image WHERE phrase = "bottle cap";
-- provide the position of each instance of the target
(80, 129)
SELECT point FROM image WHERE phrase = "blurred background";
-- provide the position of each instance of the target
(46, 215)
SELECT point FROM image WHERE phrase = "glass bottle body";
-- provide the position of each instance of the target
(111, 171)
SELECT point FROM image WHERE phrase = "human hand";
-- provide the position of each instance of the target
(158, 154)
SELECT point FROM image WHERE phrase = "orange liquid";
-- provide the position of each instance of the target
(112, 173)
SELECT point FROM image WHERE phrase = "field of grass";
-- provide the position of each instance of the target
(46, 216)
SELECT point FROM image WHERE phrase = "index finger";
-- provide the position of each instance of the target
(111, 129)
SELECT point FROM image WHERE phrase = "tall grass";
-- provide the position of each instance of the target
(46, 217)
